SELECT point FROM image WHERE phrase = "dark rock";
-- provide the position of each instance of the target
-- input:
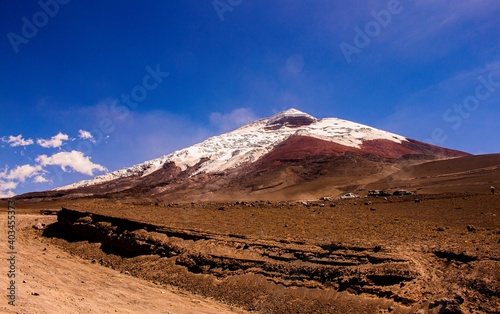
(471, 228)
(448, 306)
(452, 309)
(459, 298)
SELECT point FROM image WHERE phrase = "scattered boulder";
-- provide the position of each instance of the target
(471, 228)
(401, 193)
(39, 226)
(85, 220)
(450, 306)
(459, 298)
(48, 212)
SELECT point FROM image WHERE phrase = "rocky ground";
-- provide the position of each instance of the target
(52, 280)
(412, 254)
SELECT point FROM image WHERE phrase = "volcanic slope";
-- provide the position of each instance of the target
(475, 174)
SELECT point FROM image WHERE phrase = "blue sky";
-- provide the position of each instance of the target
(92, 86)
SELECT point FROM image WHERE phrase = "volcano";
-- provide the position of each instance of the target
(289, 155)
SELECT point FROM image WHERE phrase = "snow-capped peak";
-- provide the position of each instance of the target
(250, 142)
(292, 112)
(291, 117)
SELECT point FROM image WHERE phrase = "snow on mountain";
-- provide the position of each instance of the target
(250, 142)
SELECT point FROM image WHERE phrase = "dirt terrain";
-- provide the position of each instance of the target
(50, 280)
(411, 254)
(437, 251)
(469, 174)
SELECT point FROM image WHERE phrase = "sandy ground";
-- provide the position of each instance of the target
(412, 254)
(67, 284)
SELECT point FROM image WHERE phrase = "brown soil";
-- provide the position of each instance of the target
(433, 253)
(425, 253)
(474, 174)
(51, 280)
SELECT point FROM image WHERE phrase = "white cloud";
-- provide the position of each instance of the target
(40, 179)
(15, 141)
(6, 185)
(74, 160)
(86, 135)
(7, 194)
(21, 173)
(234, 119)
(54, 141)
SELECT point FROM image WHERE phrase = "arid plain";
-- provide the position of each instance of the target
(436, 251)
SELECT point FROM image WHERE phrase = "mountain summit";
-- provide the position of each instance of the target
(279, 144)
(291, 118)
